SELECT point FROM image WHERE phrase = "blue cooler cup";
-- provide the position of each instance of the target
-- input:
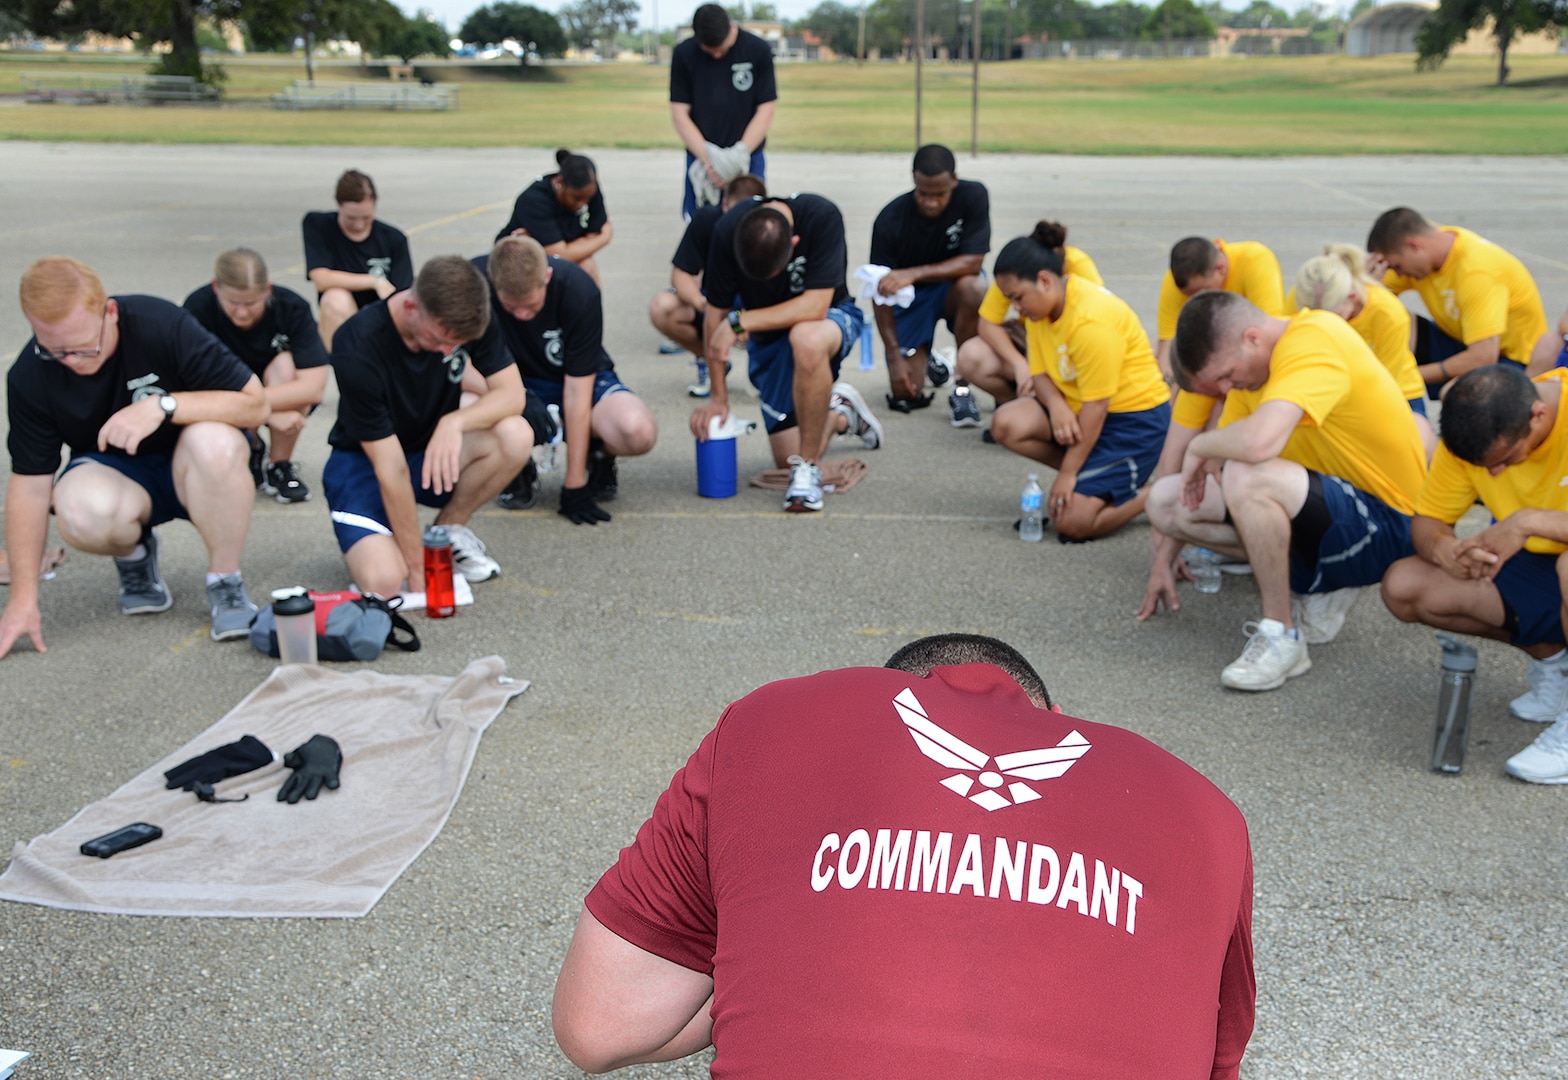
(716, 467)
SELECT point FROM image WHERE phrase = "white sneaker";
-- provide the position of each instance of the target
(1320, 616)
(1235, 567)
(468, 555)
(1544, 761)
(1271, 657)
(805, 486)
(862, 425)
(1548, 696)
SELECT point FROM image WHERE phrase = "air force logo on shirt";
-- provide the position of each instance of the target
(380, 267)
(797, 274)
(582, 215)
(456, 361)
(741, 77)
(280, 343)
(977, 766)
(144, 386)
(1064, 364)
(955, 232)
(553, 347)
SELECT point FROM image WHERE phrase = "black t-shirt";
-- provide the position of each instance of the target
(820, 261)
(903, 237)
(691, 256)
(385, 389)
(547, 221)
(723, 94)
(386, 247)
(567, 336)
(162, 349)
(285, 326)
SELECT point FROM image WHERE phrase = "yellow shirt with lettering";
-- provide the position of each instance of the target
(1539, 482)
(1480, 291)
(1254, 273)
(995, 308)
(1097, 350)
(1356, 423)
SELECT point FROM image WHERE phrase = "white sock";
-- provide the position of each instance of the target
(213, 579)
(1557, 657)
(138, 552)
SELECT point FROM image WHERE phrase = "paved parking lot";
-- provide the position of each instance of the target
(1406, 924)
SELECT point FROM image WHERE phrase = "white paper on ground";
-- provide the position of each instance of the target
(462, 592)
(9, 1059)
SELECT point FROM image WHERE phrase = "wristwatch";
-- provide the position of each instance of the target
(735, 321)
(167, 403)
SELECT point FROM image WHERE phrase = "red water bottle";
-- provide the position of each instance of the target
(440, 601)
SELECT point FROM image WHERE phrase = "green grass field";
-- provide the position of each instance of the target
(1235, 106)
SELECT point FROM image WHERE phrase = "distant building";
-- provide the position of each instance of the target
(1392, 29)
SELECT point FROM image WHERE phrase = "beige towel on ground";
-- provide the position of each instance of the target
(407, 742)
(837, 476)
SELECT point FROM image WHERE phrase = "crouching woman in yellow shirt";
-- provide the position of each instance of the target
(1100, 408)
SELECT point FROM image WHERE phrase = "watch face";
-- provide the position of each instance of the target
(167, 404)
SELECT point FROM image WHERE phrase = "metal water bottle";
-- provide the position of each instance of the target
(1455, 681)
(1031, 524)
(440, 599)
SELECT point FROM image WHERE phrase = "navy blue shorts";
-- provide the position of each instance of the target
(916, 324)
(354, 495)
(757, 168)
(1125, 454)
(1433, 347)
(1364, 538)
(154, 472)
(605, 382)
(1562, 357)
(772, 366)
(1417, 405)
(1532, 599)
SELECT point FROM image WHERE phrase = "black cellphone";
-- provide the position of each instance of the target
(121, 839)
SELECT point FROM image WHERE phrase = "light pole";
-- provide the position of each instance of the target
(920, 56)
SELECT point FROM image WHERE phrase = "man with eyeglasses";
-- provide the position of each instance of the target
(151, 406)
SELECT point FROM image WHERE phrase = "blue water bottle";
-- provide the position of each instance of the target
(867, 358)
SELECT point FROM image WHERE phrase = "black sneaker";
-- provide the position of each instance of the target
(283, 483)
(604, 483)
(258, 458)
(961, 403)
(142, 591)
(520, 493)
(909, 405)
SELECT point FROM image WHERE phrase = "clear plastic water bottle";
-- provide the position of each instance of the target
(867, 356)
(1455, 682)
(545, 457)
(1204, 566)
(1031, 526)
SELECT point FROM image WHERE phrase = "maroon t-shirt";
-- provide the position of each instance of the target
(894, 876)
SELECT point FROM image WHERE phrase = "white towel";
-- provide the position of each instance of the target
(728, 161)
(869, 275)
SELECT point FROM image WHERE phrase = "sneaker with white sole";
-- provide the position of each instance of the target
(142, 591)
(1320, 616)
(701, 388)
(232, 610)
(805, 487)
(283, 483)
(1548, 696)
(1271, 657)
(468, 555)
(961, 404)
(847, 400)
(1544, 761)
(940, 366)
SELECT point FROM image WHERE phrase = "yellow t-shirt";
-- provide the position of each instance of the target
(995, 308)
(1357, 425)
(1254, 273)
(1480, 291)
(1097, 350)
(1536, 483)
(1384, 324)
(1192, 410)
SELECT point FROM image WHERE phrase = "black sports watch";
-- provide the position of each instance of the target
(735, 321)
(167, 403)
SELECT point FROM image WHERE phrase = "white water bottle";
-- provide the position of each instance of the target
(545, 457)
(1031, 526)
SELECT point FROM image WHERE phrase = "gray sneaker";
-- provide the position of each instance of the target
(142, 591)
(232, 610)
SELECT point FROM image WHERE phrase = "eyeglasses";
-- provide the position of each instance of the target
(80, 354)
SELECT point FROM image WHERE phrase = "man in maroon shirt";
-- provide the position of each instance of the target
(921, 871)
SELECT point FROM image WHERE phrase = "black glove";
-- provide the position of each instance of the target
(220, 764)
(577, 505)
(315, 762)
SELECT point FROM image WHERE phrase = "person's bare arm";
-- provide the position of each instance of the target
(616, 1004)
(26, 532)
(397, 496)
(809, 306)
(243, 408)
(995, 336)
(307, 388)
(1253, 439)
(1476, 354)
(757, 130)
(688, 289)
(686, 128)
(503, 397)
(585, 245)
(946, 270)
(324, 279)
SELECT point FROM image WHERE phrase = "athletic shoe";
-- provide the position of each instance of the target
(1548, 696)
(520, 493)
(142, 591)
(847, 400)
(283, 483)
(939, 366)
(1319, 616)
(805, 486)
(700, 388)
(604, 481)
(468, 555)
(987, 437)
(1234, 567)
(909, 405)
(258, 458)
(1271, 657)
(669, 348)
(961, 403)
(1544, 761)
(232, 610)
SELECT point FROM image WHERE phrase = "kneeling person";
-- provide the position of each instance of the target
(405, 437)
(151, 406)
(1505, 441)
(551, 316)
(271, 330)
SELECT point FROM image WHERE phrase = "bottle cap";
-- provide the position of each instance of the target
(292, 590)
(1457, 656)
(437, 536)
(294, 601)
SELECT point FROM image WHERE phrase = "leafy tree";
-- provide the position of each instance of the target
(148, 21)
(1453, 20)
(274, 24)
(524, 23)
(419, 36)
(1258, 15)
(1123, 20)
(1176, 19)
(590, 21)
(836, 23)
